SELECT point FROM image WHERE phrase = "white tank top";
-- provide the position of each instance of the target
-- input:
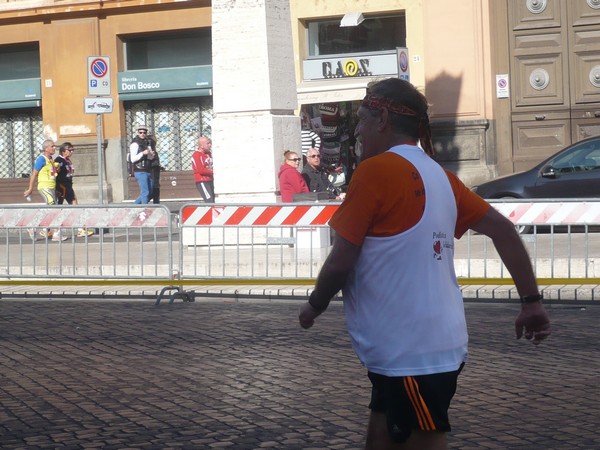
(404, 309)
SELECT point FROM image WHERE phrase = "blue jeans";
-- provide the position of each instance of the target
(144, 180)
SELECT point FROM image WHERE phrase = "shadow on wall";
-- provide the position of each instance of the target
(443, 93)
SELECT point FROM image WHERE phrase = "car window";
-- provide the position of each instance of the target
(585, 156)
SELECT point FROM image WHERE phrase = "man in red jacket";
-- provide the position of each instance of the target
(202, 164)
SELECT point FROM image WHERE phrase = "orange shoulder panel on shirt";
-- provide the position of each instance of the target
(386, 197)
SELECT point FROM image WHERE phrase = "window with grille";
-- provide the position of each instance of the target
(175, 124)
(21, 137)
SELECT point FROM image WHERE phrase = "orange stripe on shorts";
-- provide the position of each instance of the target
(423, 415)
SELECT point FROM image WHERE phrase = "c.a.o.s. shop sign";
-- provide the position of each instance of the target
(350, 67)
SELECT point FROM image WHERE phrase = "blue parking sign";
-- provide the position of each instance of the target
(98, 75)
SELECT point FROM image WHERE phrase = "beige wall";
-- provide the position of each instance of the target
(303, 11)
(448, 44)
(457, 65)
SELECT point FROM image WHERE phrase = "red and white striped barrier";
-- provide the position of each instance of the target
(84, 217)
(257, 215)
(550, 213)
(519, 212)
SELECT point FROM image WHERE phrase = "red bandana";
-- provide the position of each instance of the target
(373, 101)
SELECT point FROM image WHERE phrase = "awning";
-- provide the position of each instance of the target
(334, 90)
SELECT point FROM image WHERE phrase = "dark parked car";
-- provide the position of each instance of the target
(574, 172)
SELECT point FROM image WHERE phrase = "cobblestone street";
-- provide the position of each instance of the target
(222, 374)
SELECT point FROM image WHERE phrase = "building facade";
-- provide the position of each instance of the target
(159, 55)
(509, 81)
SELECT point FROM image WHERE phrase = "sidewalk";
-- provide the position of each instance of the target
(217, 374)
(571, 295)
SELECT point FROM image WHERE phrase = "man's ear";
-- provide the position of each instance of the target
(383, 119)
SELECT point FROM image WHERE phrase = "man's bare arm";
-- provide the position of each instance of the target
(331, 279)
(533, 318)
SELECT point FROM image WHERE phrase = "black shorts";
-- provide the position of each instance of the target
(65, 192)
(414, 402)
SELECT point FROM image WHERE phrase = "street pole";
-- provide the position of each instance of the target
(100, 169)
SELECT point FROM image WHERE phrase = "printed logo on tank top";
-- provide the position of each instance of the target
(440, 243)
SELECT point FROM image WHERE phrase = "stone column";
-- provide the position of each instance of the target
(254, 95)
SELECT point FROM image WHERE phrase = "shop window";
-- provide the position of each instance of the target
(168, 50)
(335, 124)
(176, 126)
(374, 34)
(19, 62)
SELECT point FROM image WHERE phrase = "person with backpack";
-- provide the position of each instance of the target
(141, 156)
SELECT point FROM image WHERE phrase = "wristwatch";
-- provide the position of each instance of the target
(531, 298)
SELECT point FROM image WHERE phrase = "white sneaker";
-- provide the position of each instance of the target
(58, 237)
(31, 233)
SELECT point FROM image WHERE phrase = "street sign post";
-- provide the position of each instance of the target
(98, 75)
(98, 85)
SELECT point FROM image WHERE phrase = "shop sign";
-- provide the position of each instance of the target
(170, 79)
(350, 67)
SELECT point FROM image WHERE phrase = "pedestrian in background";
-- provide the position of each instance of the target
(316, 177)
(64, 181)
(393, 255)
(44, 172)
(310, 139)
(141, 156)
(290, 180)
(64, 176)
(155, 169)
(202, 164)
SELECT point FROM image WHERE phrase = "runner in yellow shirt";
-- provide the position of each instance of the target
(44, 171)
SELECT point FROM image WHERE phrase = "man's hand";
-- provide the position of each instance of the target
(307, 315)
(534, 318)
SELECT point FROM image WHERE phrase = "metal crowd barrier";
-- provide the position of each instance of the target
(49, 242)
(251, 244)
(268, 241)
(279, 241)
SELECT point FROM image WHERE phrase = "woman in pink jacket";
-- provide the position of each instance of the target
(290, 180)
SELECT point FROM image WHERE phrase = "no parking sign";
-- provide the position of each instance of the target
(98, 75)
(502, 86)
